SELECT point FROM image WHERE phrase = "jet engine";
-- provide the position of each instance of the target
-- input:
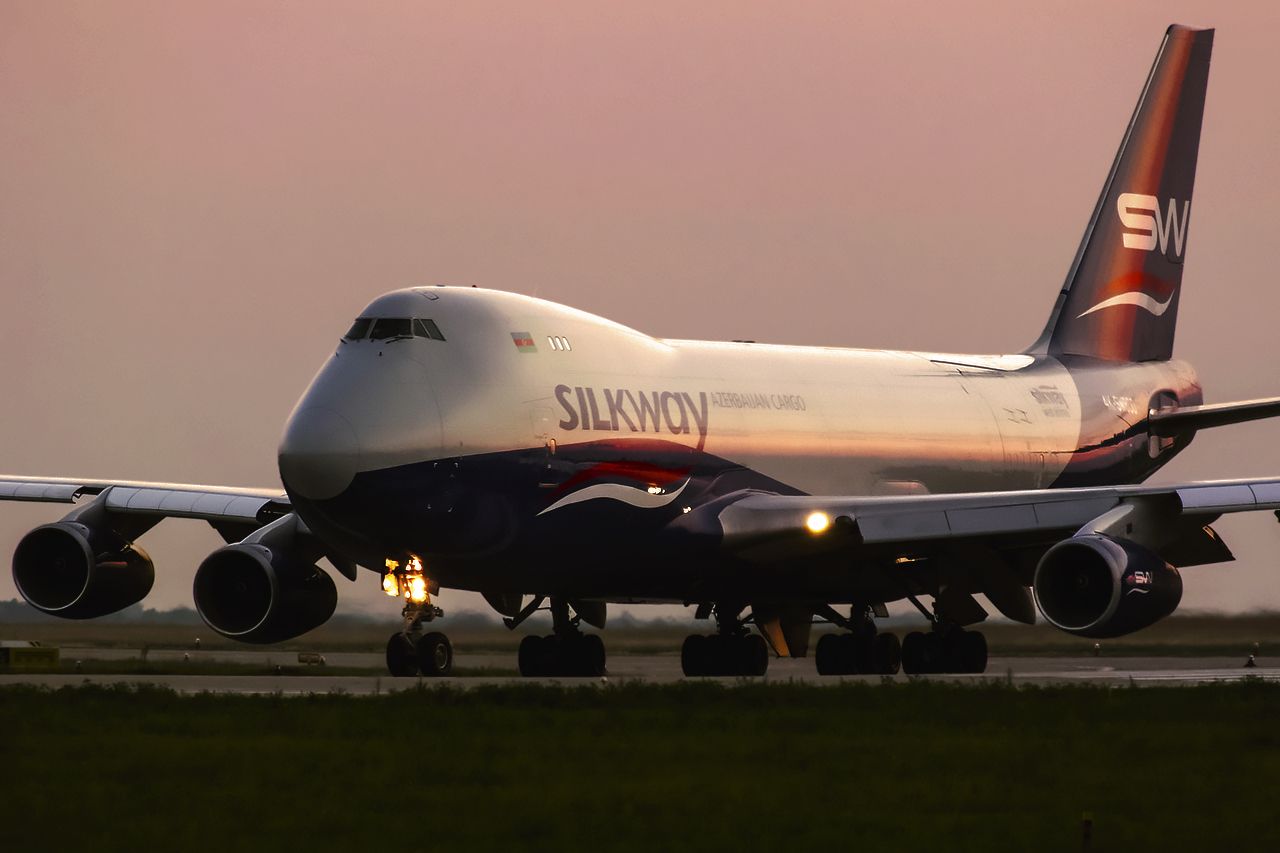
(265, 589)
(248, 592)
(1093, 585)
(80, 571)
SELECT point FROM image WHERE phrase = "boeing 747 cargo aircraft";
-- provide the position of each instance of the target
(462, 438)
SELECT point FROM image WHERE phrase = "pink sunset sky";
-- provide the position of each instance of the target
(195, 200)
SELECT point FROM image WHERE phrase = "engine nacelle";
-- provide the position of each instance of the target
(1096, 586)
(79, 571)
(254, 594)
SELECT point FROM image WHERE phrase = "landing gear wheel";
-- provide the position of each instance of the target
(590, 656)
(887, 654)
(939, 652)
(693, 656)
(828, 655)
(402, 657)
(753, 652)
(717, 657)
(531, 657)
(971, 652)
(435, 655)
(864, 653)
(915, 656)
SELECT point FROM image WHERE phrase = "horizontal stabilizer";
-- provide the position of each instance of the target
(1171, 422)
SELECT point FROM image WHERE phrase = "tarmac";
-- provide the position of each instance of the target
(495, 668)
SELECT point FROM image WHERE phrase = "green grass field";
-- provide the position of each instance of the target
(911, 766)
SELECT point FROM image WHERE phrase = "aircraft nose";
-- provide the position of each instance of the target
(319, 453)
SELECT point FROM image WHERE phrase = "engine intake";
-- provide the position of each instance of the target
(254, 594)
(79, 571)
(1096, 586)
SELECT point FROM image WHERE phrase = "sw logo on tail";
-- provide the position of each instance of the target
(1140, 214)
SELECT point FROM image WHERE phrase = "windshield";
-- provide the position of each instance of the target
(427, 329)
(391, 328)
(358, 329)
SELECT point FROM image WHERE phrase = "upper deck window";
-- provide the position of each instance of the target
(358, 329)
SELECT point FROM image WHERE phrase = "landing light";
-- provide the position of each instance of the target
(655, 490)
(417, 591)
(390, 582)
(817, 522)
(409, 582)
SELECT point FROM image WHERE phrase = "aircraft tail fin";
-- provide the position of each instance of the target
(1120, 298)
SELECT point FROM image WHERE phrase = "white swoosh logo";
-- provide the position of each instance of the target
(1137, 298)
(616, 492)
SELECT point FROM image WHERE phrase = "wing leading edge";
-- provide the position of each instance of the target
(167, 500)
(767, 527)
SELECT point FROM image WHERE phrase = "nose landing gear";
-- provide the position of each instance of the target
(413, 651)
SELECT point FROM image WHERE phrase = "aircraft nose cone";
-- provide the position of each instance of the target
(319, 453)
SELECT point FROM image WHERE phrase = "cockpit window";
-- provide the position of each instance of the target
(392, 328)
(387, 327)
(427, 329)
(358, 329)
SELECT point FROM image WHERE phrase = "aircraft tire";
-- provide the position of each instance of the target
(590, 656)
(753, 652)
(972, 652)
(530, 657)
(863, 648)
(888, 654)
(435, 655)
(939, 652)
(915, 659)
(693, 655)
(827, 656)
(717, 656)
(402, 657)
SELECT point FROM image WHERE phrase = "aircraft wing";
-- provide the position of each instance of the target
(219, 505)
(766, 527)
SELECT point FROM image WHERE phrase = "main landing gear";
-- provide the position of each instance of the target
(566, 652)
(859, 651)
(945, 649)
(730, 651)
(413, 650)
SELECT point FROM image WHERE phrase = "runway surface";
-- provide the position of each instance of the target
(493, 668)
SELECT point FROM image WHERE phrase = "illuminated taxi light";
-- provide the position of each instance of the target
(817, 522)
(655, 490)
(417, 592)
(390, 585)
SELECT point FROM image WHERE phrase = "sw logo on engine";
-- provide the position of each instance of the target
(1146, 227)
